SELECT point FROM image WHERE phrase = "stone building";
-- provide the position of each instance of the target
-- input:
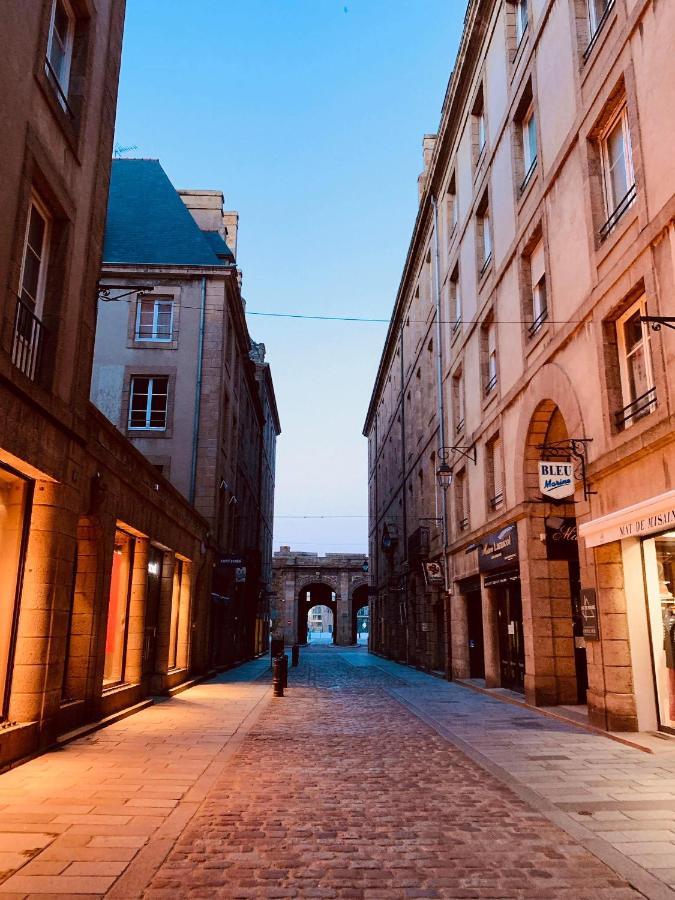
(175, 370)
(102, 564)
(520, 429)
(305, 581)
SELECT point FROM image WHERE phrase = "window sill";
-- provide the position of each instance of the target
(132, 433)
(136, 344)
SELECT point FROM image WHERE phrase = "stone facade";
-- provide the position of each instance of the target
(545, 231)
(304, 580)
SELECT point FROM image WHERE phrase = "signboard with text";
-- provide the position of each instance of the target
(589, 614)
(556, 479)
(499, 550)
(561, 538)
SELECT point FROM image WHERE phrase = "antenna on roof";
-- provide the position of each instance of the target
(119, 150)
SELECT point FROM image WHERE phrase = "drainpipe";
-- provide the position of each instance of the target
(404, 507)
(198, 391)
(440, 409)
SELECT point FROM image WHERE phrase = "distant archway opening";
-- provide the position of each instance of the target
(360, 615)
(317, 613)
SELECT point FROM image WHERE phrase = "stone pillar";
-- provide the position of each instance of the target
(163, 641)
(133, 666)
(493, 676)
(37, 674)
(343, 620)
(289, 610)
(459, 635)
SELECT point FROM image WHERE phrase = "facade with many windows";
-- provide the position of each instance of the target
(536, 471)
(176, 371)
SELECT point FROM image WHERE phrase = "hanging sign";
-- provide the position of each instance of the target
(556, 479)
(589, 614)
(433, 574)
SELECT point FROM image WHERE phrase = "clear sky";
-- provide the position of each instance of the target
(309, 116)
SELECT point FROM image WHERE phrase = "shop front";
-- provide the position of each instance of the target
(498, 563)
(645, 534)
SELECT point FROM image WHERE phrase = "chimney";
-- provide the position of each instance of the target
(428, 145)
(206, 208)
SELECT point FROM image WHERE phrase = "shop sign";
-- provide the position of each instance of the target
(556, 479)
(589, 614)
(433, 574)
(561, 538)
(499, 550)
(510, 577)
(650, 516)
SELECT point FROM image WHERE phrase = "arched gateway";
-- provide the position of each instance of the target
(303, 581)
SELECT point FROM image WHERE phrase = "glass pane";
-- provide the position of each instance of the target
(532, 138)
(618, 178)
(12, 511)
(118, 603)
(660, 571)
(31, 276)
(637, 373)
(632, 331)
(36, 231)
(61, 21)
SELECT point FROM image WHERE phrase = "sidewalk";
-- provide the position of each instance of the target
(114, 802)
(617, 800)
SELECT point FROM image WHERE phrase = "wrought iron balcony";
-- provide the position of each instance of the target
(636, 409)
(28, 340)
(497, 500)
(491, 384)
(463, 524)
(538, 322)
(621, 208)
(528, 175)
(598, 28)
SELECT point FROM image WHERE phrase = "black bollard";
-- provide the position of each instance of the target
(278, 676)
(284, 669)
(295, 654)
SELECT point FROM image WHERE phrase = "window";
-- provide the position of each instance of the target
(597, 12)
(15, 495)
(35, 257)
(176, 624)
(618, 178)
(118, 609)
(522, 21)
(528, 128)
(455, 302)
(461, 501)
(60, 48)
(148, 402)
(495, 482)
(635, 366)
(451, 207)
(458, 401)
(539, 307)
(490, 343)
(484, 238)
(154, 319)
(479, 127)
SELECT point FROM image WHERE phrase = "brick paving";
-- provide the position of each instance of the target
(339, 791)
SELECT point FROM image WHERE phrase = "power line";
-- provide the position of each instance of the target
(323, 517)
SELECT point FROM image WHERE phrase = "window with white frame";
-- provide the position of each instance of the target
(495, 481)
(635, 365)
(458, 401)
(451, 206)
(479, 125)
(522, 20)
(35, 257)
(461, 500)
(528, 129)
(148, 402)
(539, 304)
(455, 301)
(597, 9)
(154, 319)
(490, 337)
(60, 46)
(483, 235)
(617, 169)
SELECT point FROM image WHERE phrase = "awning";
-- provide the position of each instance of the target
(638, 520)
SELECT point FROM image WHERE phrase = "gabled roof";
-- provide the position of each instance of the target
(149, 223)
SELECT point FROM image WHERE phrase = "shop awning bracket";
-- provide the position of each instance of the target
(574, 449)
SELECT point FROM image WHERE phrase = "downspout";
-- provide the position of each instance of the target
(441, 427)
(198, 392)
(404, 508)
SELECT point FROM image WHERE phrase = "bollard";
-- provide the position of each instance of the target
(284, 669)
(278, 676)
(276, 647)
(295, 654)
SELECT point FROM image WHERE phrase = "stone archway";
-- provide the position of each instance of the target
(312, 595)
(359, 599)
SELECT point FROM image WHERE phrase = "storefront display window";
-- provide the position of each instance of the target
(659, 556)
(15, 494)
(118, 609)
(175, 614)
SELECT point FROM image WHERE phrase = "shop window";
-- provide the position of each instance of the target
(618, 177)
(15, 497)
(483, 235)
(537, 312)
(489, 340)
(455, 303)
(28, 329)
(659, 557)
(635, 366)
(148, 402)
(494, 476)
(154, 319)
(118, 609)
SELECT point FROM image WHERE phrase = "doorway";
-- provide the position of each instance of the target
(474, 615)
(510, 630)
(153, 597)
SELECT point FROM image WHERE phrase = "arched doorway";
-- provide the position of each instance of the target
(359, 603)
(556, 670)
(311, 597)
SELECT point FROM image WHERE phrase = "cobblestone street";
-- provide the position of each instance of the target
(364, 781)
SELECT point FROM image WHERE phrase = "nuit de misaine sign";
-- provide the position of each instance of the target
(556, 479)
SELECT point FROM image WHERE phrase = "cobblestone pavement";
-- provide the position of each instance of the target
(340, 791)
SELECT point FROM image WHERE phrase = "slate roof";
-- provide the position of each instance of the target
(149, 223)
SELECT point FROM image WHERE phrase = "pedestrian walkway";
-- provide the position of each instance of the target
(367, 780)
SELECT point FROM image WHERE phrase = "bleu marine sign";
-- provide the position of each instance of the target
(641, 519)
(556, 479)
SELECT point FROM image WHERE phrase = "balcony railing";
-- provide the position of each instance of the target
(28, 340)
(621, 208)
(459, 426)
(538, 322)
(463, 524)
(598, 28)
(528, 175)
(497, 500)
(636, 409)
(491, 384)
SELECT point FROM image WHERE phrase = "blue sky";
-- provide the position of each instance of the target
(309, 116)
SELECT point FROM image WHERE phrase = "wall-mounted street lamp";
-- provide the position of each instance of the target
(444, 476)
(444, 471)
